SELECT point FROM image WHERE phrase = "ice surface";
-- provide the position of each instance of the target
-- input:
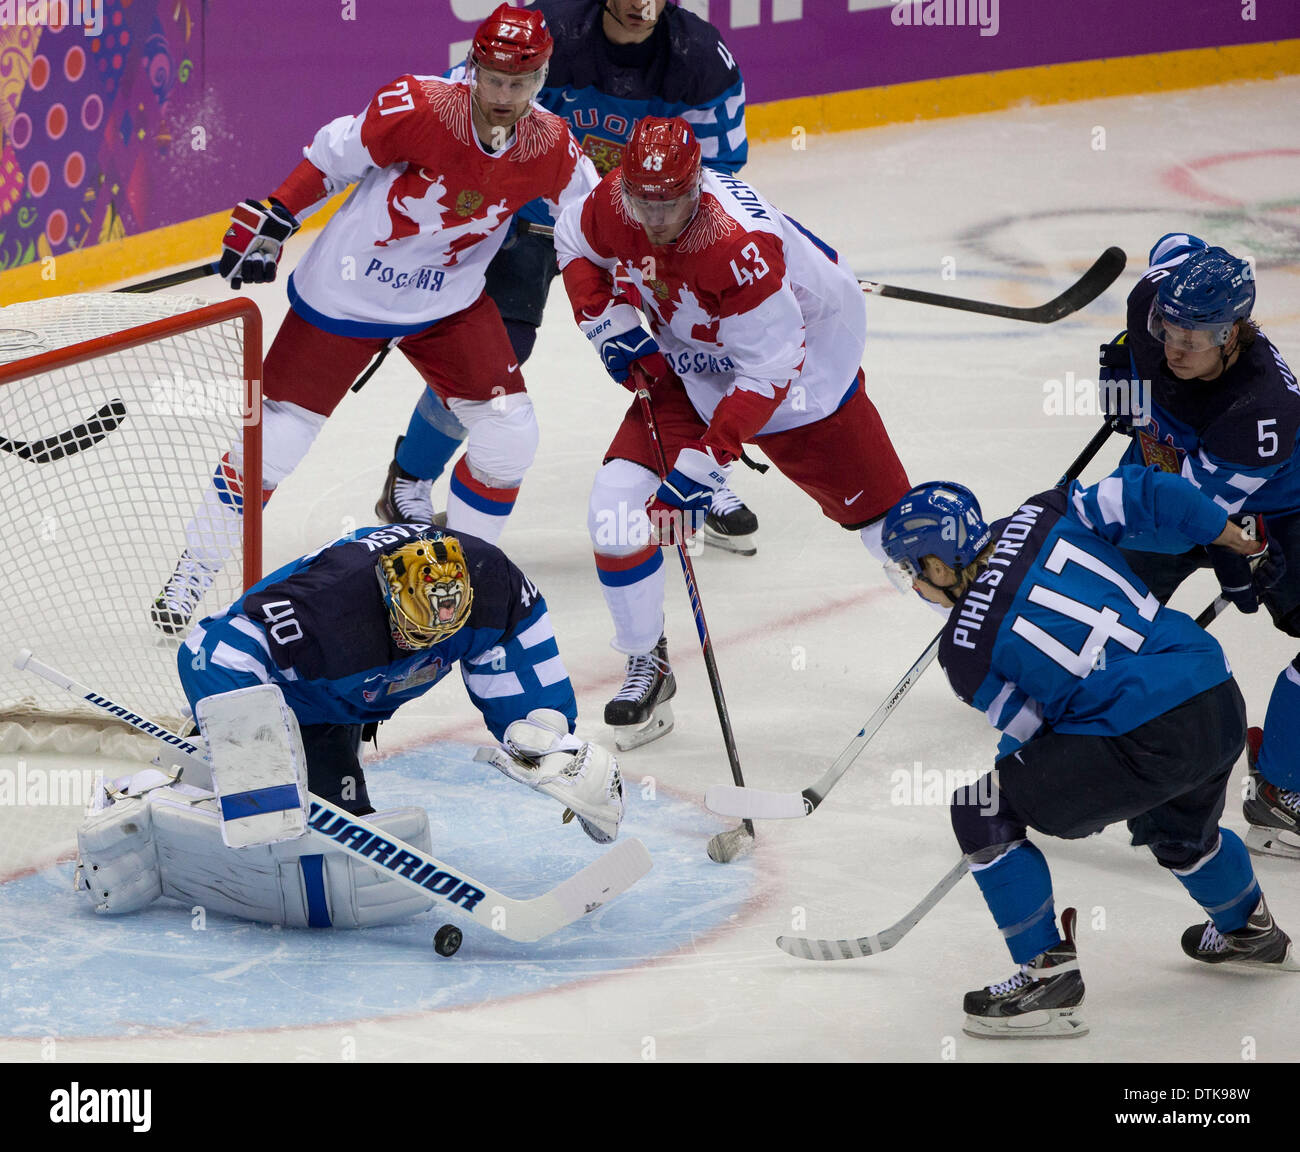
(809, 639)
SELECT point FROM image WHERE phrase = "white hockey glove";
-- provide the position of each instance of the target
(540, 752)
(250, 249)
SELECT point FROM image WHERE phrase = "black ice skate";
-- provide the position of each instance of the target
(1273, 814)
(172, 611)
(640, 711)
(405, 498)
(1042, 999)
(730, 525)
(1261, 943)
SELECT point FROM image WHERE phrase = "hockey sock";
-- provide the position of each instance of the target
(476, 508)
(1223, 882)
(431, 440)
(1279, 758)
(1017, 887)
(633, 587)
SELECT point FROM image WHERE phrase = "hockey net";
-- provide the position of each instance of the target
(115, 412)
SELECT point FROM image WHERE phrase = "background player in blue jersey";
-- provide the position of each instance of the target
(353, 631)
(1218, 403)
(1112, 707)
(615, 62)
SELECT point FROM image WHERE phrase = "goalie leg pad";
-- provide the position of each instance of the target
(285, 883)
(146, 839)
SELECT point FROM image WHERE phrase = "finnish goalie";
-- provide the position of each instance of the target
(348, 634)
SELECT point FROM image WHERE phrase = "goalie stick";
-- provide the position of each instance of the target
(755, 803)
(1103, 273)
(521, 920)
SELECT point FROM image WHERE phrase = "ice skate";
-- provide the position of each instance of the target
(730, 525)
(1273, 814)
(175, 605)
(1260, 944)
(1042, 999)
(640, 712)
(405, 498)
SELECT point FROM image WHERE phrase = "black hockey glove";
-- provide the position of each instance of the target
(1243, 579)
(1124, 398)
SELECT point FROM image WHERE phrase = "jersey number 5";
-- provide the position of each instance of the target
(744, 275)
(1103, 623)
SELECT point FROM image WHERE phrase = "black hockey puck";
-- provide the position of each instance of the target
(446, 941)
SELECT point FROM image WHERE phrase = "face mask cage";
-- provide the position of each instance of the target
(902, 574)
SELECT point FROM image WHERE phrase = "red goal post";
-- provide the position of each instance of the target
(115, 413)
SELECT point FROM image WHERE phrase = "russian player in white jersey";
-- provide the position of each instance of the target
(758, 336)
(439, 169)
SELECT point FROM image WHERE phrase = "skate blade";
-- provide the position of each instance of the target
(740, 545)
(1050, 1023)
(1272, 842)
(660, 723)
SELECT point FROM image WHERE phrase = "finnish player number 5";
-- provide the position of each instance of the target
(1267, 433)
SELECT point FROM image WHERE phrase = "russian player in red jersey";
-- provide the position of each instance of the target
(756, 337)
(439, 169)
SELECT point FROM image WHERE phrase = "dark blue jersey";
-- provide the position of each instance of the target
(1058, 632)
(319, 628)
(1236, 437)
(603, 89)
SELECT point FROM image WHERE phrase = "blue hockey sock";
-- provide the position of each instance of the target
(1279, 757)
(1223, 883)
(431, 439)
(1018, 890)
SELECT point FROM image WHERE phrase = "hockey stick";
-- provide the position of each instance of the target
(521, 920)
(881, 941)
(728, 800)
(725, 846)
(172, 279)
(85, 435)
(1103, 273)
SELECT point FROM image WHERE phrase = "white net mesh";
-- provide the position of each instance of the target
(103, 465)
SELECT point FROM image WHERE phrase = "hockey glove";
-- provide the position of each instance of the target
(250, 249)
(621, 341)
(1123, 396)
(1242, 579)
(682, 502)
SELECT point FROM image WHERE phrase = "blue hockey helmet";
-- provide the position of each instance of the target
(935, 519)
(1208, 292)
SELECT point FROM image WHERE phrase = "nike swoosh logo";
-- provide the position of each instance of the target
(512, 368)
(851, 499)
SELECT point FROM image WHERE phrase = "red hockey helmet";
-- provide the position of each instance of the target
(661, 160)
(512, 40)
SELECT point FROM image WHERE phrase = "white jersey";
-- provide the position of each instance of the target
(413, 240)
(744, 299)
